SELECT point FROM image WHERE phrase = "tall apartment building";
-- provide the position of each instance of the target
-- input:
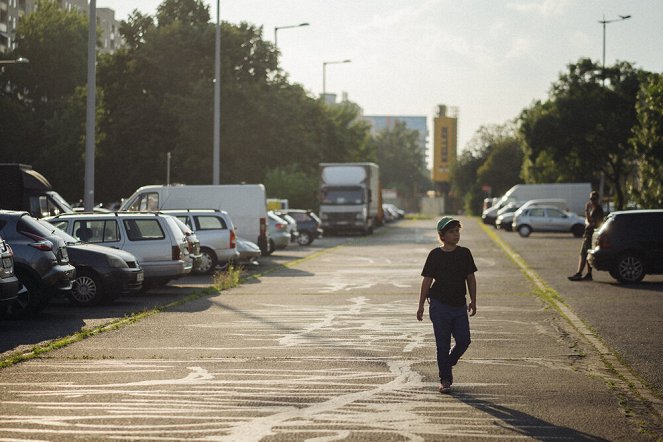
(445, 145)
(13, 11)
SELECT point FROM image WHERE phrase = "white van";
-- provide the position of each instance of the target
(245, 203)
(575, 194)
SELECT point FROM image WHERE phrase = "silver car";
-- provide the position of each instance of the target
(547, 219)
(279, 232)
(156, 240)
(216, 233)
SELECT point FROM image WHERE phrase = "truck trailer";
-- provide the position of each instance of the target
(26, 189)
(350, 197)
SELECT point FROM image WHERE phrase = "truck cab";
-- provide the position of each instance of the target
(27, 190)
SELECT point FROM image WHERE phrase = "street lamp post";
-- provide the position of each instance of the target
(276, 29)
(91, 105)
(604, 22)
(20, 60)
(216, 148)
(324, 73)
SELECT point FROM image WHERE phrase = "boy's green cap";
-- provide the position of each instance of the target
(442, 223)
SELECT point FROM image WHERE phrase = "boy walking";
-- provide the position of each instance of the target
(448, 275)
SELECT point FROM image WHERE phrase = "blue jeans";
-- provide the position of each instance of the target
(449, 321)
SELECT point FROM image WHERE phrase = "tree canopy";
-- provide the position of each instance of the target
(582, 131)
(401, 160)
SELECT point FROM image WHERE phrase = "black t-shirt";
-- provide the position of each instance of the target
(449, 270)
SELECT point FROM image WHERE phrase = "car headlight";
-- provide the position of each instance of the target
(116, 262)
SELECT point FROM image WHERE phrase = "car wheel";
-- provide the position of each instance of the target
(578, 230)
(524, 230)
(29, 302)
(207, 262)
(271, 247)
(305, 238)
(630, 269)
(87, 289)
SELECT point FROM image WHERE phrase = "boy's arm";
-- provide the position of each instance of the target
(423, 294)
(472, 287)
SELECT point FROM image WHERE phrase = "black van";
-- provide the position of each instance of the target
(629, 245)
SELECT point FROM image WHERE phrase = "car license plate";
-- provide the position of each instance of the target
(140, 277)
(7, 263)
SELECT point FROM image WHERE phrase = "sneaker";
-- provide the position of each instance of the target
(576, 277)
(587, 277)
(445, 387)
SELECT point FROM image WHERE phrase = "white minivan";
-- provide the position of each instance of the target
(156, 240)
(245, 203)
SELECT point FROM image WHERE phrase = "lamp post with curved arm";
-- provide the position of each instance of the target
(324, 73)
(605, 22)
(277, 28)
(20, 60)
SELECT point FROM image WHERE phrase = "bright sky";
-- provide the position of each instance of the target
(489, 58)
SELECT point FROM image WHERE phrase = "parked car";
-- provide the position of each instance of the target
(279, 233)
(629, 245)
(155, 239)
(292, 224)
(396, 212)
(192, 241)
(547, 219)
(102, 273)
(41, 262)
(9, 285)
(216, 233)
(308, 225)
(248, 251)
(506, 214)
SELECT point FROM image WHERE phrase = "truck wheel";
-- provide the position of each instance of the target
(207, 262)
(304, 238)
(87, 289)
(524, 230)
(630, 269)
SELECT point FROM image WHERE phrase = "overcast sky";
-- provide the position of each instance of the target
(489, 58)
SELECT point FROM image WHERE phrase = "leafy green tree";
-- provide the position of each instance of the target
(55, 42)
(647, 190)
(43, 121)
(493, 158)
(298, 187)
(401, 160)
(582, 131)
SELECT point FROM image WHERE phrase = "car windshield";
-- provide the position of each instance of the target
(343, 196)
(67, 238)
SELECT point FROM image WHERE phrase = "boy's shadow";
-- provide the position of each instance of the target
(522, 423)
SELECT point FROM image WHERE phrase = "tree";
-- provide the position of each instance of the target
(647, 190)
(43, 111)
(401, 160)
(494, 159)
(582, 131)
(298, 187)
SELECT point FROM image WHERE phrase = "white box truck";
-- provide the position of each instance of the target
(350, 197)
(245, 203)
(575, 194)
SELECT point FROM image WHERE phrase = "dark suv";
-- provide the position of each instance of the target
(308, 225)
(629, 245)
(41, 262)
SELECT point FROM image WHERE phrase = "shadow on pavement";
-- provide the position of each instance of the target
(522, 423)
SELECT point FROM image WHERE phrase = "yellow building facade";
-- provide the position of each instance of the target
(445, 144)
